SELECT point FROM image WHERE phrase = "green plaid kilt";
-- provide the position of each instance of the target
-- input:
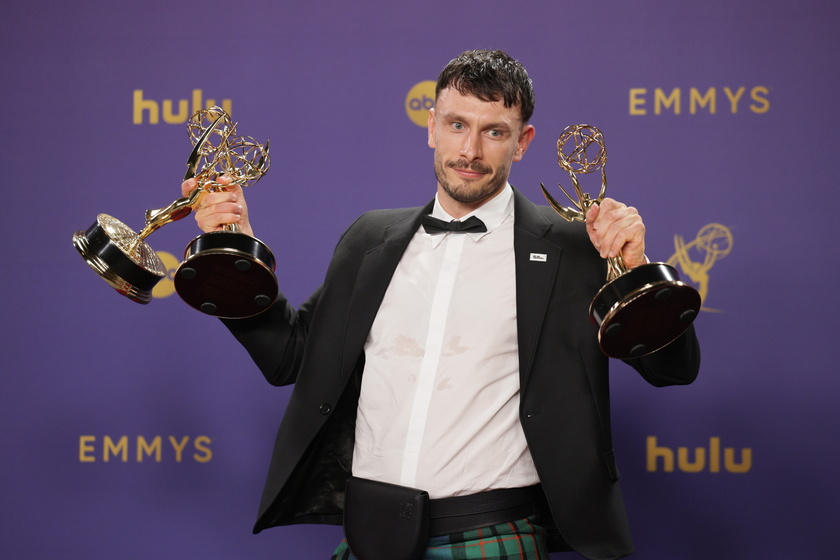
(516, 540)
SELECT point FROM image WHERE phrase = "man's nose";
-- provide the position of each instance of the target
(471, 148)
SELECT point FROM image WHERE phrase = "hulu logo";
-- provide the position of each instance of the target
(703, 459)
(167, 108)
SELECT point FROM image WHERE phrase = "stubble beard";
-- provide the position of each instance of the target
(468, 192)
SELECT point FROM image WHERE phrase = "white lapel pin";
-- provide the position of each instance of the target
(539, 257)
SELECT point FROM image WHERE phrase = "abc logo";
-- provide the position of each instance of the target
(166, 287)
(419, 100)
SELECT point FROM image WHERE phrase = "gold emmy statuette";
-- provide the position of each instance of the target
(638, 311)
(225, 273)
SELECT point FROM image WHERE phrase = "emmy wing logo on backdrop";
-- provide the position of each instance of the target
(224, 273)
(639, 310)
(696, 258)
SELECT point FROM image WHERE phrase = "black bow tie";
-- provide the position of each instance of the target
(433, 225)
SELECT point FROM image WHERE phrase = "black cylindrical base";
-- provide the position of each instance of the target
(228, 275)
(124, 261)
(643, 310)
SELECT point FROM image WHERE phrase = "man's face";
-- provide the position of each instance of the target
(475, 143)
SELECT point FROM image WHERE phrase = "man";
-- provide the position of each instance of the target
(460, 363)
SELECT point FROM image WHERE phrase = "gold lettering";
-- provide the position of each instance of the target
(145, 449)
(109, 448)
(198, 104)
(699, 463)
(196, 101)
(119, 448)
(714, 454)
(729, 460)
(141, 105)
(699, 460)
(667, 101)
(637, 101)
(86, 448)
(154, 109)
(734, 97)
(182, 115)
(178, 447)
(762, 104)
(654, 452)
(207, 453)
(709, 100)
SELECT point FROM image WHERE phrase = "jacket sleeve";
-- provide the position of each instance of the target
(276, 338)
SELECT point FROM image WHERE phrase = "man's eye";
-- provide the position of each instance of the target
(458, 126)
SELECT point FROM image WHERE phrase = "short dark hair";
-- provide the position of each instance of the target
(490, 76)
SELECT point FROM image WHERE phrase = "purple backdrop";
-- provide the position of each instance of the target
(141, 432)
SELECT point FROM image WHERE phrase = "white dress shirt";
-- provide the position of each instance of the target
(439, 404)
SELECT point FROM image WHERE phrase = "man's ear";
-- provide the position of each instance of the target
(528, 133)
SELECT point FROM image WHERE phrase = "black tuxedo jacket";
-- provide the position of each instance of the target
(564, 410)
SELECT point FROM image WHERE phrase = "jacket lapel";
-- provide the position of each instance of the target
(537, 264)
(374, 275)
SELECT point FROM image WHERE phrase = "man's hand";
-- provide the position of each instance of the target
(218, 209)
(615, 228)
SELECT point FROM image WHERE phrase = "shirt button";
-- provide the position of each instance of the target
(325, 408)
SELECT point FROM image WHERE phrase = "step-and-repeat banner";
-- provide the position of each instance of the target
(144, 431)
